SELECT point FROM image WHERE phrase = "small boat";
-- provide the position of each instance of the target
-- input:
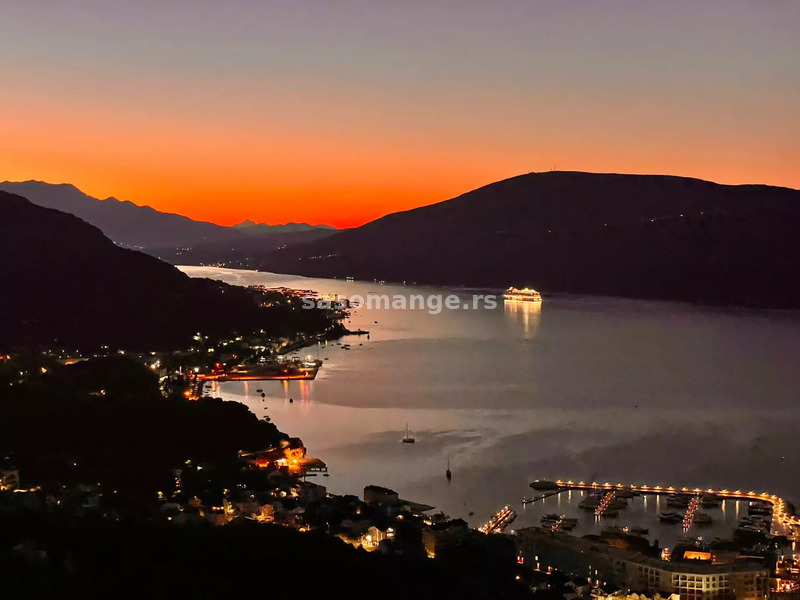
(701, 518)
(551, 517)
(591, 502)
(259, 390)
(678, 500)
(636, 530)
(710, 500)
(670, 517)
(407, 439)
(447, 473)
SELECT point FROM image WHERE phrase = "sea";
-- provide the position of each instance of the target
(575, 388)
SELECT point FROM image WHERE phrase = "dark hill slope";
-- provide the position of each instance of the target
(64, 282)
(124, 222)
(645, 236)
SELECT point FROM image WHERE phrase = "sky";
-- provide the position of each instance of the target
(342, 111)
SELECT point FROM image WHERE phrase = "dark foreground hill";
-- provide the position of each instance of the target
(644, 236)
(64, 283)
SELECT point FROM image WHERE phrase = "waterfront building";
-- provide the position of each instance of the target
(614, 568)
(311, 492)
(9, 479)
(375, 494)
(438, 535)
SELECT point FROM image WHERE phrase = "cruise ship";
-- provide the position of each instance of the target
(522, 295)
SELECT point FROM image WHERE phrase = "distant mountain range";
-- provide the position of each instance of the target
(145, 228)
(66, 284)
(642, 236)
(251, 228)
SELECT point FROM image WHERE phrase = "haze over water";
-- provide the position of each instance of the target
(578, 388)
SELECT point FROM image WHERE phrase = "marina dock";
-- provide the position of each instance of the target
(781, 509)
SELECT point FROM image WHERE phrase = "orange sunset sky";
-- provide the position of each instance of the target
(342, 112)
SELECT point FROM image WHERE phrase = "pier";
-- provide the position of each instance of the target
(541, 496)
(689, 516)
(779, 505)
(499, 521)
(605, 503)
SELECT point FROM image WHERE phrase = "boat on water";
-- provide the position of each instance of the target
(678, 500)
(710, 501)
(522, 295)
(670, 517)
(407, 439)
(591, 502)
(280, 369)
(701, 518)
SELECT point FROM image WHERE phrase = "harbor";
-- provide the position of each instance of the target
(667, 514)
(549, 422)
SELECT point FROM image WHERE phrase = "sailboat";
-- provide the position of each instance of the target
(407, 439)
(447, 473)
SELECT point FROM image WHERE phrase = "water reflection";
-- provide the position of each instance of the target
(619, 388)
(525, 313)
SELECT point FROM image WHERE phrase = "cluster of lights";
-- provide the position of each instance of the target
(779, 505)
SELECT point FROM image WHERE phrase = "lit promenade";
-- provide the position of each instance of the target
(499, 521)
(779, 510)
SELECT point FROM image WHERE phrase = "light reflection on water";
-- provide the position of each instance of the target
(577, 388)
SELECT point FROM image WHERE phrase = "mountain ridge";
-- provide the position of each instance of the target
(644, 236)
(142, 226)
(68, 285)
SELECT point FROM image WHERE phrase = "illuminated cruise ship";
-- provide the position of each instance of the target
(523, 295)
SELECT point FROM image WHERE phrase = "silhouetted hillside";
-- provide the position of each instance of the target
(63, 282)
(645, 236)
(125, 223)
(159, 233)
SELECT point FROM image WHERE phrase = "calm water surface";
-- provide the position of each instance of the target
(577, 388)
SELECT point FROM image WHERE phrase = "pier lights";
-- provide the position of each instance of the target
(658, 487)
(671, 489)
(684, 489)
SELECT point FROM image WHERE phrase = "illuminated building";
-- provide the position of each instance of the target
(9, 479)
(604, 565)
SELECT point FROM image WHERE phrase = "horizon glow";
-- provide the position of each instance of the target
(340, 113)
